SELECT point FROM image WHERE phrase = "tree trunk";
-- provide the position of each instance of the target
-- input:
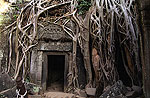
(145, 41)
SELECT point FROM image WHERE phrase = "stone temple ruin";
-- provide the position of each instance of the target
(60, 50)
(50, 59)
(47, 58)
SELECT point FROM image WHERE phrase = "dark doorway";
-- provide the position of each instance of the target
(55, 78)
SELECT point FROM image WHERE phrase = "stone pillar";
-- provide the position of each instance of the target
(36, 66)
(39, 67)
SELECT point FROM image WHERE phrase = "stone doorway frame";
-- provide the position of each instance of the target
(45, 68)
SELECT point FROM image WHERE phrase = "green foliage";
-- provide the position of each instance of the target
(10, 16)
(4, 19)
(15, 16)
(27, 79)
(1, 19)
(36, 89)
(2, 96)
(17, 8)
(83, 6)
(14, 12)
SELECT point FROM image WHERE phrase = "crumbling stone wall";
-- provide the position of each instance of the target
(3, 51)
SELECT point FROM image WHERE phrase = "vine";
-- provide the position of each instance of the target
(106, 21)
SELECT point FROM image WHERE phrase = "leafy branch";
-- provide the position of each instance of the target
(83, 6)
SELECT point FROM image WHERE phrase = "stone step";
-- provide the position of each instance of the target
(55, 95)
(34, 96)
(59, 95)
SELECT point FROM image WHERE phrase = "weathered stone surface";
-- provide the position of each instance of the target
(9, 94)
(7, 83)
(82, 93)
(3, 50)
(131, 94)
(59, 95)
(34, 96)
(36, 66)
(52, 39)
(137, 89)
(55, 46)
(91, 91)
(135, 92)
(33, 67)
(52, 31)
(118, 89)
